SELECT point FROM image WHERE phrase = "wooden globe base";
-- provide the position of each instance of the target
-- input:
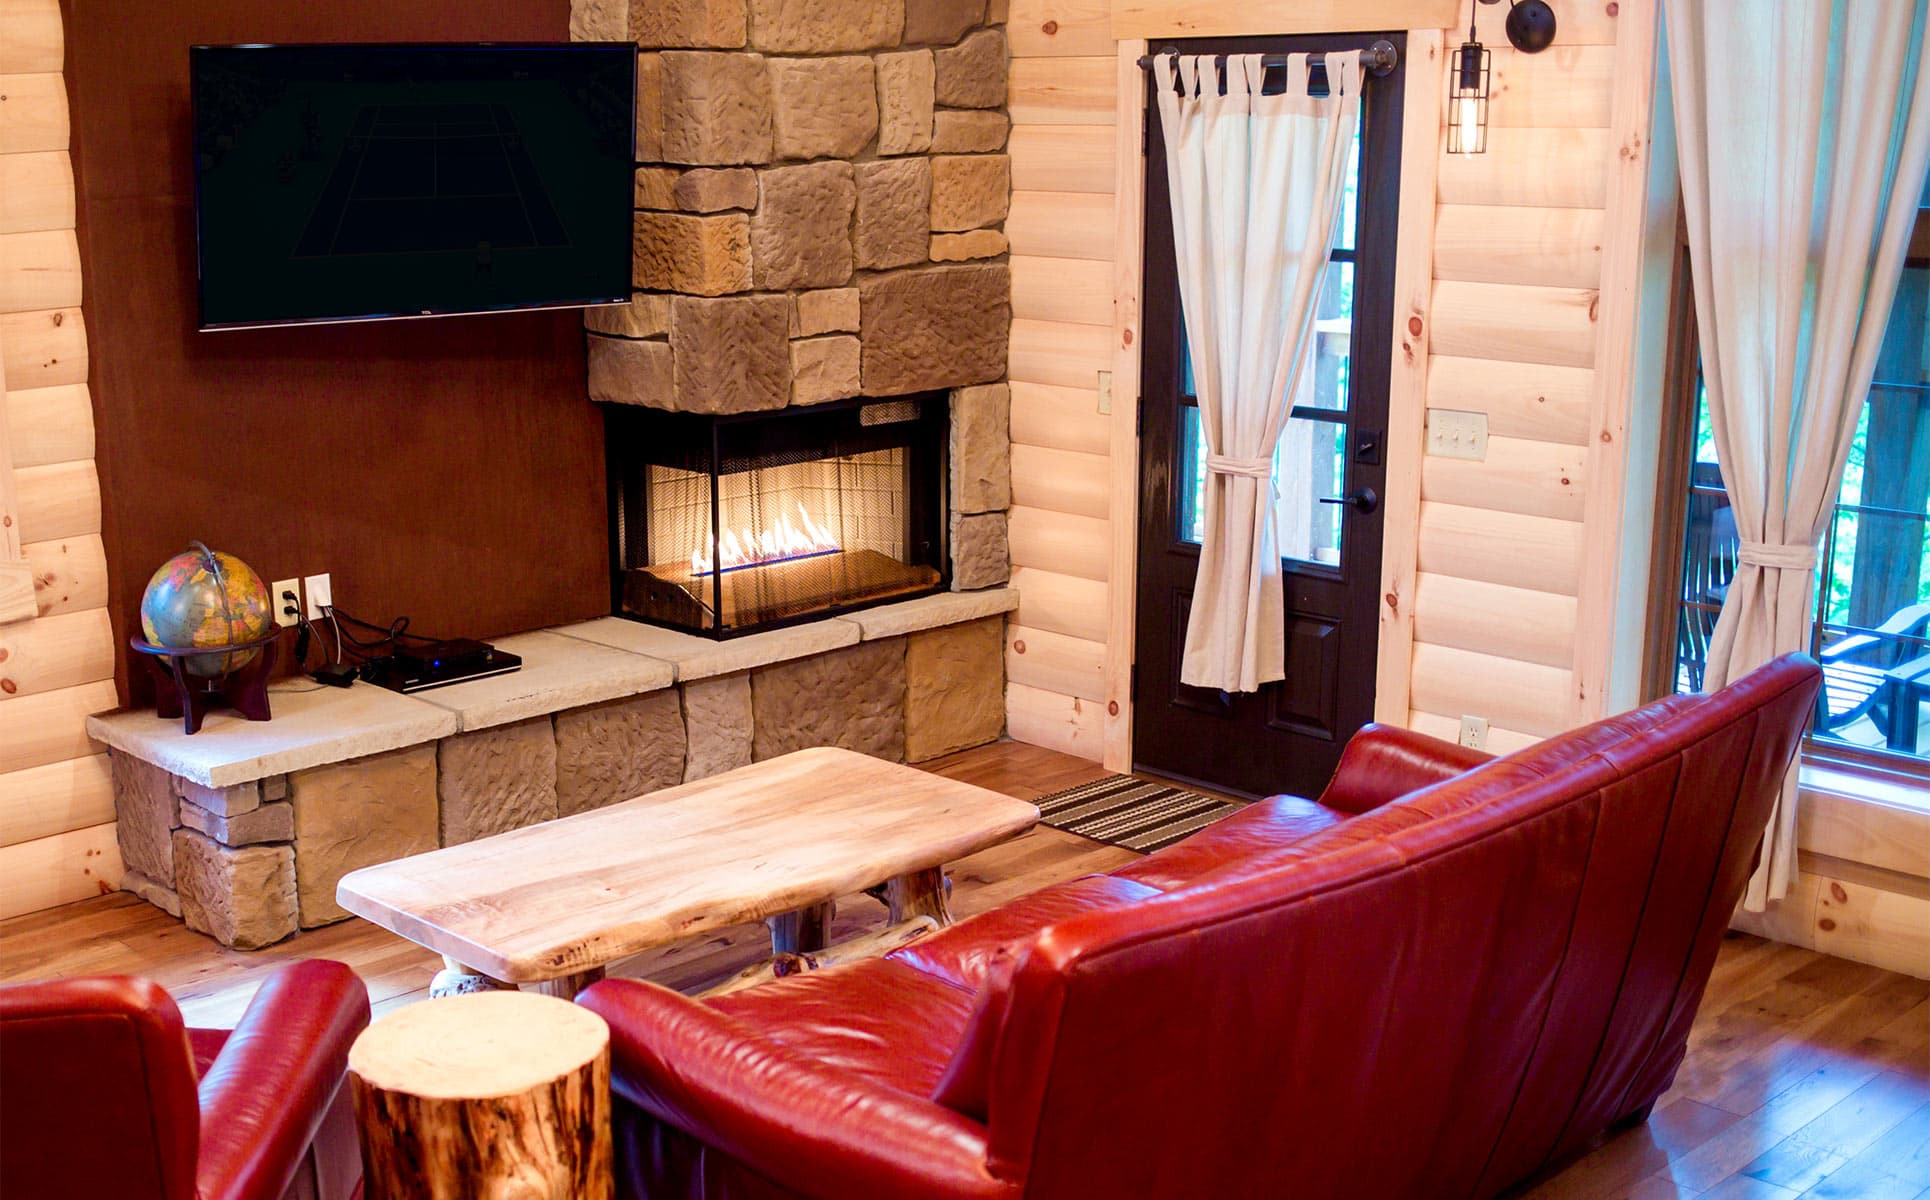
(179, 694)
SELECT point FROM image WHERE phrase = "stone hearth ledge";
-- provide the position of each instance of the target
(565, 667)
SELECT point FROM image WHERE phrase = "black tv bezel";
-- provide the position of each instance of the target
(203, 325)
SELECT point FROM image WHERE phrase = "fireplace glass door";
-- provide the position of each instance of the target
(726, 524)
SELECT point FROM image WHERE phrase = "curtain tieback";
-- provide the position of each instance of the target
(1252, 468)
(1784, 558)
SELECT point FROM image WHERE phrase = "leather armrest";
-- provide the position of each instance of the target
(1385, 762)
(821, 1130)
(264, 1097)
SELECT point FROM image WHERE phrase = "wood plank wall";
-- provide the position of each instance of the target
(1066, 152)
(56, 805)
(1523, 297)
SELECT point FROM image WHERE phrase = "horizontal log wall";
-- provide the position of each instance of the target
(1064, 101)
(56, 804)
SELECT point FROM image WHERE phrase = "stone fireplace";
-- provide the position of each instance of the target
(821, 192)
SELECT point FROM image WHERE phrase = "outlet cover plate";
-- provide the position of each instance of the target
(1474, 732)
(319, 594)
(1454, 434)
(275, 590)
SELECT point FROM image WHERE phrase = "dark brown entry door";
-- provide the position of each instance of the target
(1331, 467)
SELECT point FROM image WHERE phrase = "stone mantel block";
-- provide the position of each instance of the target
(981, 449)
(905, 91)
(955, 688)
(720, 24)
(646, 316)
(702, 658)
(853, 698)
(822, 107)
(964, 247)
(241, 897)
(894, 213)
(716, 108)
(356, 814)
(941, 21)
(557, 673)
(801, 232)
(969, 191)
(732, 354)
(933, 612)
(309, 728)
(969, 131)
(981, 554)
(618, 751)
(972, 73)
(824, 369)
(496, 780)
(146, 813)
(717, 725)
(825, 26)
(944, 326)
(268, 823)
(629, 371)
(697, 255)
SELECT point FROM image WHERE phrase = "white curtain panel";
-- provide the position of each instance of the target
(1804, 128)
(1256, 183)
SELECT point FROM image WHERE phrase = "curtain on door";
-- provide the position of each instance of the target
(1256, 183)
(1804, 129)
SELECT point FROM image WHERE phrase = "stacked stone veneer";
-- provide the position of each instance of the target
(252, 863)
(820, 203)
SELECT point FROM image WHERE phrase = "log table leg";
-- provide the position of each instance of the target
(920, 894)
(565, 987)
(803, 930)
(496, 1094)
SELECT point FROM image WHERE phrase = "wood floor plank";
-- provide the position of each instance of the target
(1895, 1167)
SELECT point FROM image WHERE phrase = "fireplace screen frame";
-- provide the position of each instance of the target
(715, 446)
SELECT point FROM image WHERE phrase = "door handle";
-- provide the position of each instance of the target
(1363, 500)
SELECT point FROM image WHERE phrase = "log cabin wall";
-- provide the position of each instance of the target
(1516, 297)
(57, 650)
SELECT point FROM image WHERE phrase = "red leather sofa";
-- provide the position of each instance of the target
(1445, 974)
(104, 1094)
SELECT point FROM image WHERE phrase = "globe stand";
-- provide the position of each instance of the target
(179, 694)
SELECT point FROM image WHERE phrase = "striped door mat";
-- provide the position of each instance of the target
(1139, 814)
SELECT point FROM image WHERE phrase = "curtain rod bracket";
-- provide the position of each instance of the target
(1378, 59)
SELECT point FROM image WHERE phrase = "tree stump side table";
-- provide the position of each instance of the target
(491, 1096)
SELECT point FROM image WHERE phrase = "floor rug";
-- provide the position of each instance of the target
(1139, 814)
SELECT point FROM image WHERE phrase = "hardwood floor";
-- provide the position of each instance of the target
(1807, 1076)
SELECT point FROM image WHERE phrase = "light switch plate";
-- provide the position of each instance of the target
(1105, 393)
(1453, 434)
(292, 588)
(1474, 732)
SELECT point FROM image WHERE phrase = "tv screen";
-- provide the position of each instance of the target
(343, 182)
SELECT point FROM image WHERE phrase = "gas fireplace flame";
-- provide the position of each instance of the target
(782, 541)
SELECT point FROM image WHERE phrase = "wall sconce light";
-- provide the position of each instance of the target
(1468, 95)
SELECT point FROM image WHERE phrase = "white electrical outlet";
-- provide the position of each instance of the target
(320, 595)
(1474, 732)
(1452, 434)
(286, 594)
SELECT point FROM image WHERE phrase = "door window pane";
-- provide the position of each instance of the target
(1333, 327)
(1310, 462)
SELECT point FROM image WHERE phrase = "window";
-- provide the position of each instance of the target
(1872, 586)
(1311, 460)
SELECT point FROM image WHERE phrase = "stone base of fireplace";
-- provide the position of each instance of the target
(244, 829)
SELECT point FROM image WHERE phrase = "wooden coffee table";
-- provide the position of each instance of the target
(548, 907)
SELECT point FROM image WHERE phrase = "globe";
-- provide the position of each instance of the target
(202, 597)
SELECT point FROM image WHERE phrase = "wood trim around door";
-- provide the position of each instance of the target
(1407, 376)
(1129, 204)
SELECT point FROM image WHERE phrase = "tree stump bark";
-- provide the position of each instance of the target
(491, 1096)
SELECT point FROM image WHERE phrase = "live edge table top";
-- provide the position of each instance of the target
(574, 894)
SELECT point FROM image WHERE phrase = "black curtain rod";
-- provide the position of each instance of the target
(1378, 59)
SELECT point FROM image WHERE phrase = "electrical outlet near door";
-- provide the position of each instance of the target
(1452, 434)
(1474, 732)
(286, 596)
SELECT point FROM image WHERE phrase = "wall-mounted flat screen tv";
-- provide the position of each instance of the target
(349, 182)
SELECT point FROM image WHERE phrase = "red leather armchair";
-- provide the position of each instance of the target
(104, 1093)
(1444, 975)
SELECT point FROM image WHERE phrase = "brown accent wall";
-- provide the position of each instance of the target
(446, 469)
